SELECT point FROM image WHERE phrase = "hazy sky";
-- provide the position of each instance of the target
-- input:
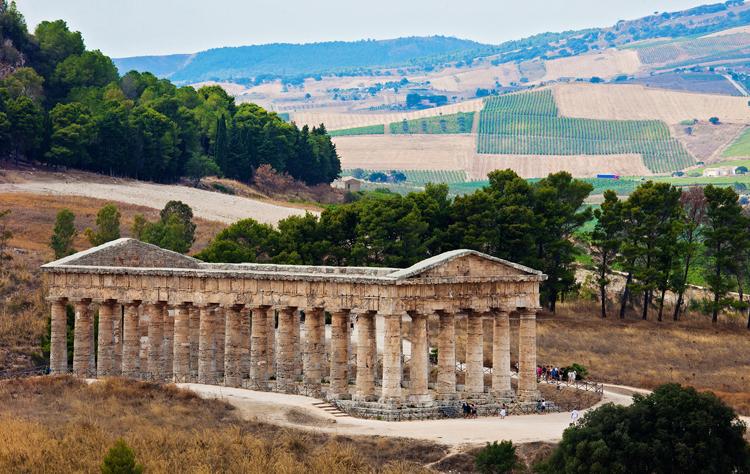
(138, 27)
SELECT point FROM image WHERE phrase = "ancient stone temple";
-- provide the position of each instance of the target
(298, 329)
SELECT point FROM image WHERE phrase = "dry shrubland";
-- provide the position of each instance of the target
(59, 424)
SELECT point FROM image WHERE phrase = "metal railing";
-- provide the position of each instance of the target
(583, 385)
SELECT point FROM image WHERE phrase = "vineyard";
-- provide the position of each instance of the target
(366, 130)
(418, 177)
(454, 123)
(528, 124)
(695, 48)
(740, 147)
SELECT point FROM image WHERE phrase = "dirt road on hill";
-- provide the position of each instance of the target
(205, 204)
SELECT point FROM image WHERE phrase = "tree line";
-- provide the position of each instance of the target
(64, 105)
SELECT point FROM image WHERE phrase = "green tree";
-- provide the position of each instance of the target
(605, 242)
(244, 241)
(63, 234)
(73, 133)
(672, 430)
(693, 204)
(56, 43)
(24, 81)
(27, 126)
(107, 226)
(200, 166)
(120, 459)
(88, 69)
(174, 230)
(496, 458)
(724, 236)
(184, 214)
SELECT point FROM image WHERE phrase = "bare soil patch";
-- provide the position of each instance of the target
(706, 142)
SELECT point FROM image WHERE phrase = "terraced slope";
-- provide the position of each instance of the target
(695, 50)
(530, 124)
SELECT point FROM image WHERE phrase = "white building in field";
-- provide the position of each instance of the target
(348, 183)
(719, 171)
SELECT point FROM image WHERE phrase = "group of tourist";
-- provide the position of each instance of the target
(470, 410)
(552, 373)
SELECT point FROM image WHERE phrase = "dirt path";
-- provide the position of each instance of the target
(284, 410)
(205, 204)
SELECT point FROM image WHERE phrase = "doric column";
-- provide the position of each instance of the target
(195, 324)
(296, 333)
(58, 356)
(314, 349)
(474, 354)
(245, 330)
(131, 341)
(527, 384)
(105, 349)
(392, 359)
(271, 343)
(206, 363)
(339, 362)
(259, 348)
(365, 358)
(182, 343)
(167, 344)
(218, 341)
(233, 347)
(82, 341)
(446, 378)
(501, 355)
(117, 338)
(374, 347)
(155, 341)
(419, 367)
(143, 323)
(285, 366)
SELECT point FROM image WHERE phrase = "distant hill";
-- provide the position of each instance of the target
(290, 60)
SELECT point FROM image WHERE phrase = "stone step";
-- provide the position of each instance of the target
(331, 409)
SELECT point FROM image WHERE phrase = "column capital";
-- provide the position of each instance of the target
(132, 303)
(56, 299)
(233, 306)
(502, 309)
(85, 301)
(528, 312)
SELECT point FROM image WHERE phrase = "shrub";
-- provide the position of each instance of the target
(120, 460)
(496, 458)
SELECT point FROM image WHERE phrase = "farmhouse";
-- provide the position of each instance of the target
(164, 316)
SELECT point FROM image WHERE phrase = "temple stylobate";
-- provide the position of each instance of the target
(333, 332)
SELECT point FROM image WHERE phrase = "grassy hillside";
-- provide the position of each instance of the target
(740, 147)
(529, 124)
(454, 123)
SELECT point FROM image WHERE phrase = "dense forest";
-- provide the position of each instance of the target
(64, 105)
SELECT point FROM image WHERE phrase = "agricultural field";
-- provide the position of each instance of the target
(703, 48)
(701, 82)
(535, 166)
(605, 64)
(421, 177)
(740, 147)
(529, 124)
(454, 123)
(406, 152)
(366, 130)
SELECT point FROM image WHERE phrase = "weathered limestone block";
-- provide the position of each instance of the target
(155, 342)
(82, 340)
(258, 349)
(117, 338)
(446, 378)
(271, 342)
(131, 342)
(182, 343)
(285, 373)
(143, 347)
(339, 362)
(58, 358)
(365, 357)
(245, 331)
(105, 348)
(420, 360)
(233, 347)
(195, 323)
(296, 330)
(501, 355)
(168, 344)
(474, 355)
(217, 342)
(206, 362)
(392, 359)
(314, 349)
(527, 384)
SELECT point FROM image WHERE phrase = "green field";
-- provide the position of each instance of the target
(422, 177)
(366, 130)
(529, 124)
(740, 147)
(453, 123)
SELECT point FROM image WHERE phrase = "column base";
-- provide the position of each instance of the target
(503, 394)
(447, 396)
(476, 395)
(529, 395)
(338, 396)
(420, 398)
(358, 397)
(311, 390)
(392, 401)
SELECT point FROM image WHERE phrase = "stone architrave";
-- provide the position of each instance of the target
(365, 357)
(58, 358)
(182, 343)
(419, 368)
(258, 349)
(339, 362)
(501, 387)
(314, 350)
(82, 340)
(446, 378)
(105, 348)
(131, 342)
(392, 370)
(527, 383)
(155, 341)
(474, 385)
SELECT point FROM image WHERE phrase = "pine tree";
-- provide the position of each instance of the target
(63, 234)
(120, 460)
(108, 226)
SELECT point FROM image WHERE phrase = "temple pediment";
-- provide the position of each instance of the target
(465, 263)
(129, 253)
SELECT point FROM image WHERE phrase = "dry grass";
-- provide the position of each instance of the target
(48, 425)
(606, 64)
(648, 353)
